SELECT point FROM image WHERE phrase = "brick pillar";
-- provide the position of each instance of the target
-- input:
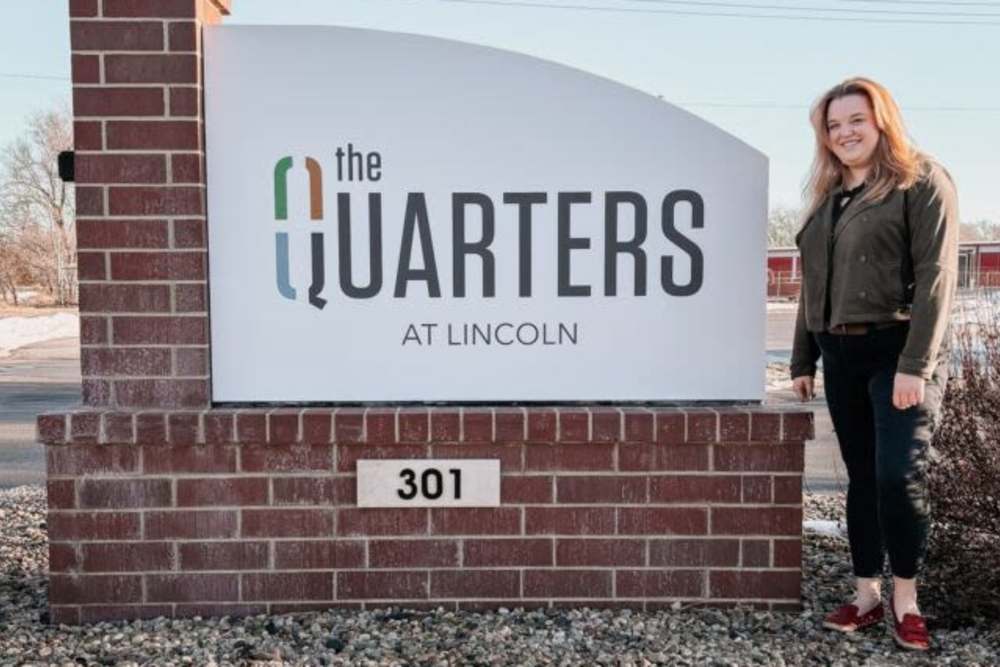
(140, 196)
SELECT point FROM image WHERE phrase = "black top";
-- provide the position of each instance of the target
(840, 203)
(843, 200)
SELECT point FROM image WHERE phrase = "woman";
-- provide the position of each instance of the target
(879, 252)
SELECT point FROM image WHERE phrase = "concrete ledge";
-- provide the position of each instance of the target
(414, 425)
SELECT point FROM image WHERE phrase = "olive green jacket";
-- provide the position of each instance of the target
(864, 266)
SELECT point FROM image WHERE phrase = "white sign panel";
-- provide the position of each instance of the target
(402, 218)
(429, 483)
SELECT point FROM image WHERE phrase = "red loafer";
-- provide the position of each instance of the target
(911, 632)
(846, 619)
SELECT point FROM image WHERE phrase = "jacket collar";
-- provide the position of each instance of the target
(854, 210)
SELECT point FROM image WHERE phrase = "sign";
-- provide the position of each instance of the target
(429, 483)
(403, 218)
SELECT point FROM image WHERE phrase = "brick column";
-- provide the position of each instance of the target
(139, 142)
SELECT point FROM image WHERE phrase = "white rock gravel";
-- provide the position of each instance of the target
(508, 637)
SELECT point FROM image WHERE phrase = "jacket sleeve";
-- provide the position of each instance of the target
(805, 352)
(933, 218)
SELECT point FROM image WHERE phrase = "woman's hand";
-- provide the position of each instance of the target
(907, 391)
(803, 387)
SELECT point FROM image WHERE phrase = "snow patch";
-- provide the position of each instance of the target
(826, 527)
(782, 306)
(17, 332)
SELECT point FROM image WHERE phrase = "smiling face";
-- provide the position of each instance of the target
(851, 131)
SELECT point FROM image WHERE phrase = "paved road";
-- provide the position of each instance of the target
(780, 327)
(37, 378)
(46, 377)
(824, 467)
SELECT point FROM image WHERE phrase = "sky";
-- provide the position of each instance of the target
(753, 76)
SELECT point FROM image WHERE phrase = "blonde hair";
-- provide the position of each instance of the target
(896, 163)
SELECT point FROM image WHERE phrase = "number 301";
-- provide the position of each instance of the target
(431, 484)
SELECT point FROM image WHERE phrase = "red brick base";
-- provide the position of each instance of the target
(240, 512)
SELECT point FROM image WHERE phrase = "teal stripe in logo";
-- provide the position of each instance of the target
(281, 260)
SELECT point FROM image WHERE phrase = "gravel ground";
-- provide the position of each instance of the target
(509, 637)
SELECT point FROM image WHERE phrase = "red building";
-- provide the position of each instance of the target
(978, 266)
(784, 273)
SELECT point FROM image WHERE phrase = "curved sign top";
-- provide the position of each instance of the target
(402, 218)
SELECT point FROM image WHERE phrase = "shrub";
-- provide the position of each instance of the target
(963, 564)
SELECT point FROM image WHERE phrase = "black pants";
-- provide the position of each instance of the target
(885, 450)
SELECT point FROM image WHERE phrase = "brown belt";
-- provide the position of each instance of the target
(862, 328)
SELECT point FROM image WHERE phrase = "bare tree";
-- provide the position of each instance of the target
(782, 224)
(979, 230)
(37, 210)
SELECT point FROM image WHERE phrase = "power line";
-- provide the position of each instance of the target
(721, 105)
(800, 107)
(841, 10)
(682, 12)
(46, 77)
(954, 3)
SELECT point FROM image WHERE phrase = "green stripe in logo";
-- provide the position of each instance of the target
(281, 188)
